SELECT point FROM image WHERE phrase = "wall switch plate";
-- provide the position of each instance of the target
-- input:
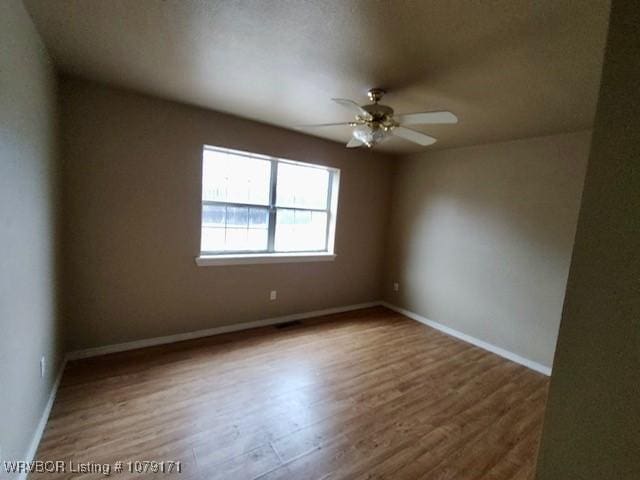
(396, 286)
(273, 295)
(42, 366)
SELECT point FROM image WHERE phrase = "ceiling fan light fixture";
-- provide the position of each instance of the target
(370, 136)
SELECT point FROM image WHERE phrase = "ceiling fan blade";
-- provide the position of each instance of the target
(426, 118)
(413, 136)
(353, 106)
(354, 143)
(316, 125)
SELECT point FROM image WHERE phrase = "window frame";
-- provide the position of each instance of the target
(216, 257)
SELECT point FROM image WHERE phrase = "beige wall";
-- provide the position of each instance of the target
(28, 320)
(132, 183)
(480, 238)
(592, 425)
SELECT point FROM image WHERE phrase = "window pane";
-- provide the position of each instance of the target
(212, 239)
(235, 178)
(302, 187)
(256, 239)
(300, 230)
(232, 228)
(237, 217)
(213, 215)
(258, 218)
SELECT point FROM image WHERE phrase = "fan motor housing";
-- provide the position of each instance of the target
(378, 111)
(382, 116)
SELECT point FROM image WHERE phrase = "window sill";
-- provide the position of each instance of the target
(251, 259)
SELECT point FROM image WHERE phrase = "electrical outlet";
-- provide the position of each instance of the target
(273, 295)
(396, 286)
(42, 366)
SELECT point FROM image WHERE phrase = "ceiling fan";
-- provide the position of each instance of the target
(375, 123)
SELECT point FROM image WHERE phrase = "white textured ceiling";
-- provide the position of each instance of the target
(508, 68)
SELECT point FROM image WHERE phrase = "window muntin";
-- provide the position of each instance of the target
(257, 204)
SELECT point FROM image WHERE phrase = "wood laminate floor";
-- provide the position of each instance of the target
(363, 395)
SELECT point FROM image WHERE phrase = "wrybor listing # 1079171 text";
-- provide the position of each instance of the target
(106, 469)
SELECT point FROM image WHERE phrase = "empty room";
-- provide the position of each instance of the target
(320, 239)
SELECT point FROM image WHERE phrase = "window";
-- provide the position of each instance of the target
(258, 206)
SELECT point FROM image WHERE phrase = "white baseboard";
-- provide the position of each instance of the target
(538, 367)
(149, 342)
(37, 435)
